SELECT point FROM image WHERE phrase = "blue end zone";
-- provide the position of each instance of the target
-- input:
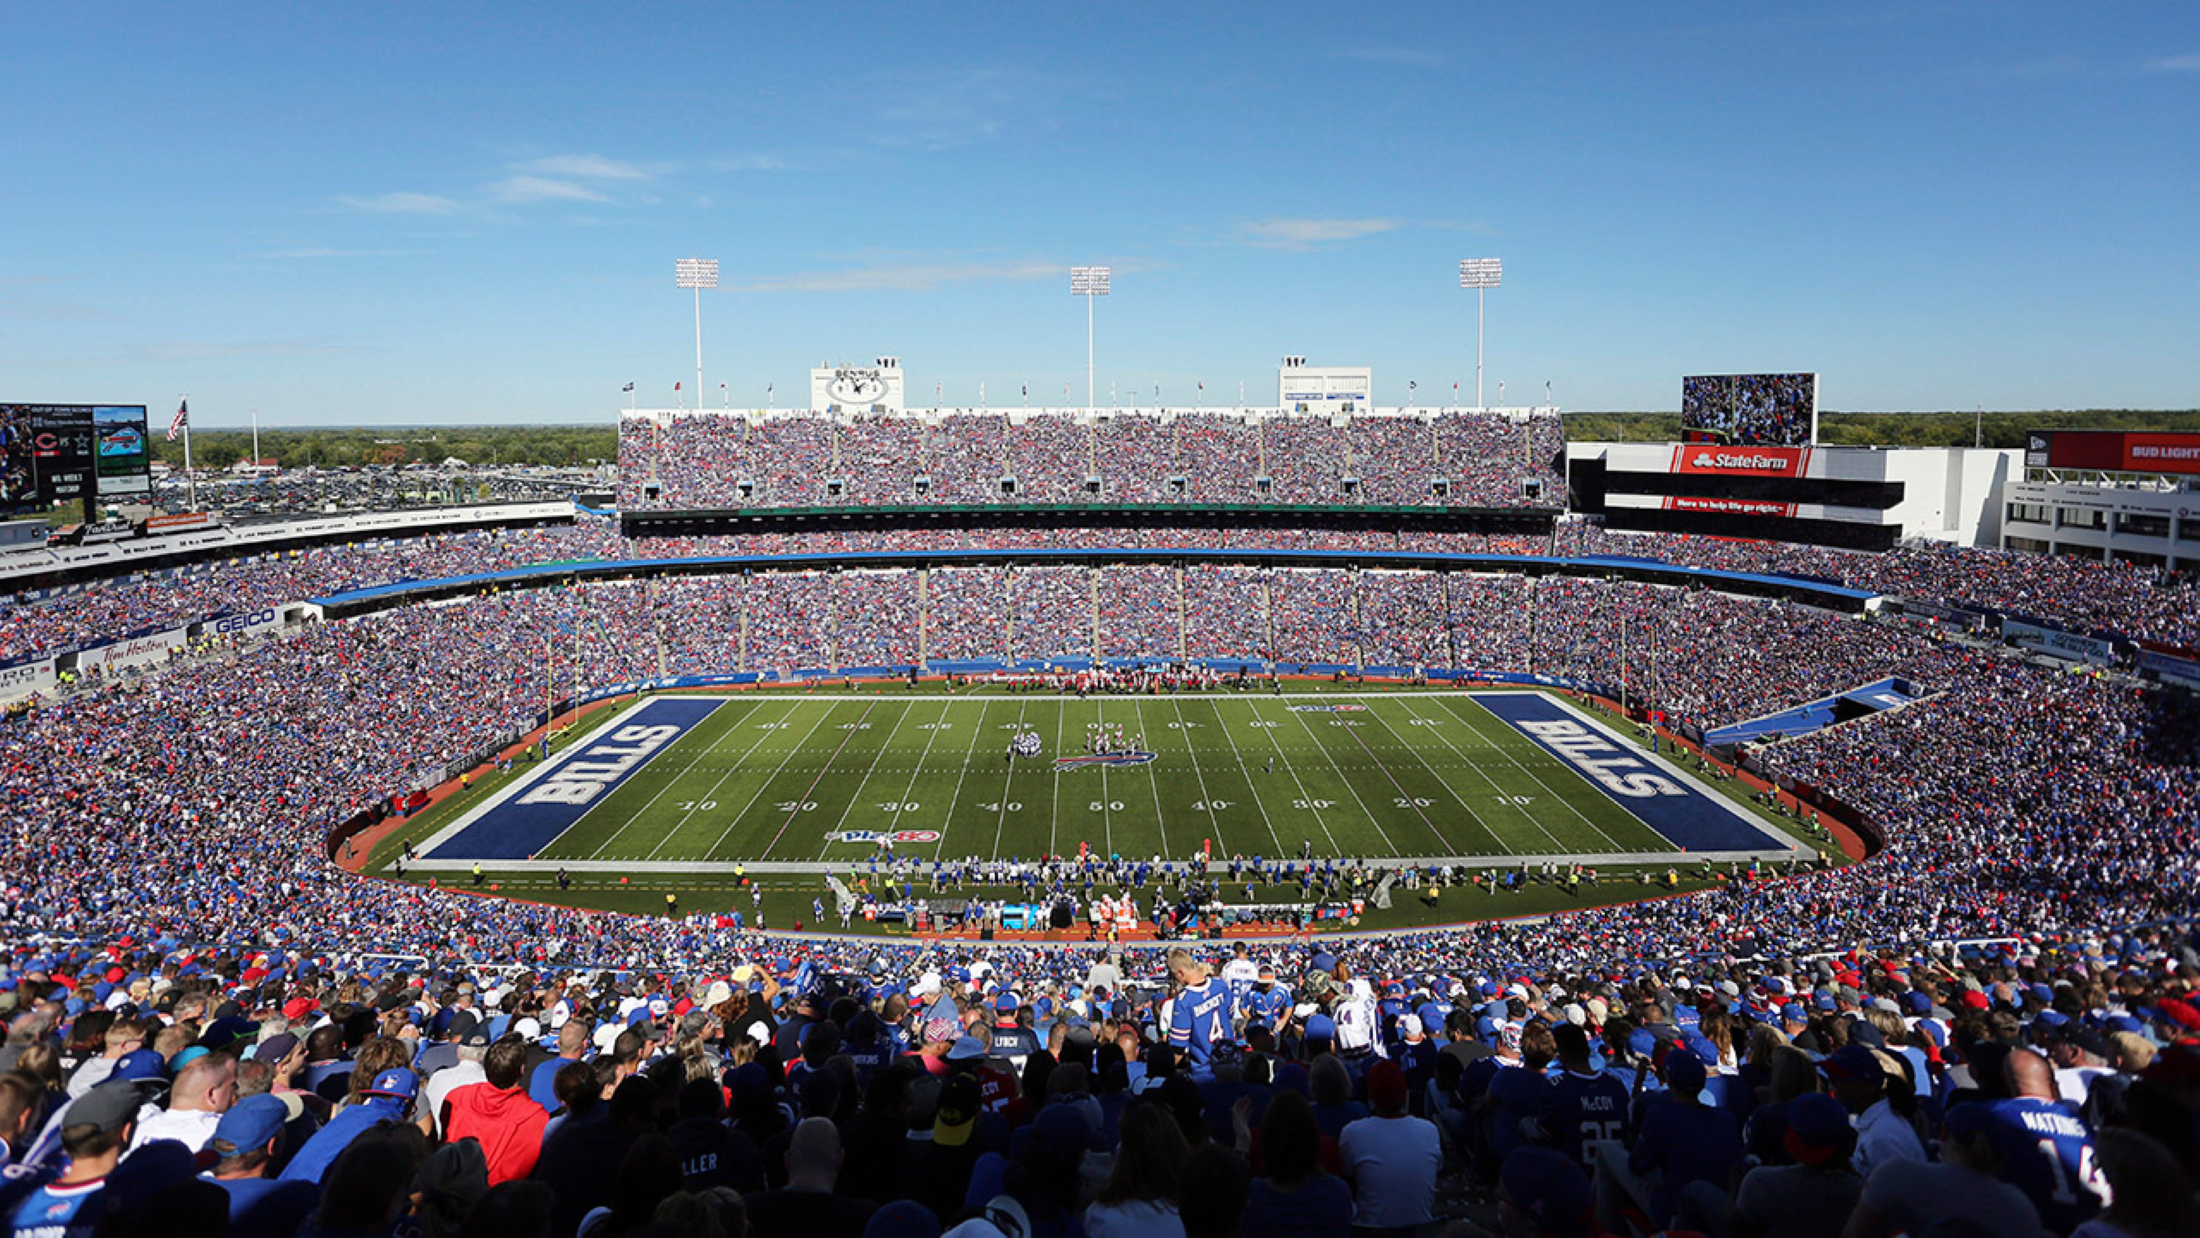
(1673, 806)
(526, 816)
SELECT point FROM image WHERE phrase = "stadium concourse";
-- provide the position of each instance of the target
(1990, 1023)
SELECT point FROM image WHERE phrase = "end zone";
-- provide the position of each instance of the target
(523, 818)
(1657, 792)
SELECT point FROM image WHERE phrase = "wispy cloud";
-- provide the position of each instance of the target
(906, 277)
(545, 189)
(401, 204)
(586, 167)
(1411, 57)
(2175, 64)
(745, 163)
(1307, 233)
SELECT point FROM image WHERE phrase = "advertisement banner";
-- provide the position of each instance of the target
(122, 457)
(26, 679)
(1729, 507)
(2115, 451)
(249, 624)
(136, 651)
(2170, 668)
(180, 522)
(1919, 609)
(1741, 461)
(2056, 643)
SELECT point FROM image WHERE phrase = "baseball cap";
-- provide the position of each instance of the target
(1409, 1025)
(397, 1081)
(1006, 1003)
(1853, 1061)
(966, 1049)
(249, 1124)
(275, 1048)
(957, 1114)
(477, 1037)
(109, 1106)
(1386, 1086)
(139, 1064)
(1817, 1128)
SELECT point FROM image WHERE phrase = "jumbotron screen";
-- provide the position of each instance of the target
(1750, 410)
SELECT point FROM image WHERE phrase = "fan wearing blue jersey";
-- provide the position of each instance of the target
(2047, 1149)
(1268, 1004)
(1198, 1018)
(1584, 1106)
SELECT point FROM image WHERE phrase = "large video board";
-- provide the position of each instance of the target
(51, 453)
(1750, 410)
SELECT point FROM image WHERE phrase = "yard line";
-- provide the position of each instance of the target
(1250, 785)
(708, 795)
(1406, 797)
(1556, 846)
(1008, 780)
(868, 770)
(977, 730)
(1504, 751)
(1153, 780)
(1107, 818)
(1054, 820)
(668, 785)
(1306, 797)
(1184, 729)
(1349, 788)
(1441, 780)
(798, 746)
(919, 770)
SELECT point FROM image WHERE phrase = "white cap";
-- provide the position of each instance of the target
(1409, 1025)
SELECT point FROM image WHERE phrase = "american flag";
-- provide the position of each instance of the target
(182, 419)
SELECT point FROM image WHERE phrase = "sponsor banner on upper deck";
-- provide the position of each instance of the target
(1741, 461)
(252, 623)
(142, 650)
(26, 679)
(2056, 643)
(1728, 507)
(2171, 667)
(1668, 802)
(528, 815)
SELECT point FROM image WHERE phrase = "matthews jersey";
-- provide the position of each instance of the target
(2050, 1159)
(1197, 1020)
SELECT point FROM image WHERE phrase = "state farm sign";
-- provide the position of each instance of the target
(1747, 461)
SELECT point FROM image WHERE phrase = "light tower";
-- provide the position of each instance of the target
(698, 274)
(1088, 282)
(1480, 274)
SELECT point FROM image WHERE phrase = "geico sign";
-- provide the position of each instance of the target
(244, 622)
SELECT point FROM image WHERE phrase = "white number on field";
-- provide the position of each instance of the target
(995, 806)
(772, 726)
(1316, 805)
(907, 806)
(1184, 726)
(855, 726)
(1416, 802)
(937, 726)
(1342, 722)
(1112, 806)
(798, 805)
(1211, 806)
(1270, 726)
(1519, 801)
(1424, 722)
(697, 805)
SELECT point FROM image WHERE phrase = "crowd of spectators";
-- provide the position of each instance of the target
(402, 1054)
(705, 460)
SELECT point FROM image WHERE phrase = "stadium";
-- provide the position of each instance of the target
(1333, 813)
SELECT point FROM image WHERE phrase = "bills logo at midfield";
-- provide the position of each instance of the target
(1328, 709)
(1107, 758)
(886, 836)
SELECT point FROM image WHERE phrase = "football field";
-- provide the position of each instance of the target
(702, 783)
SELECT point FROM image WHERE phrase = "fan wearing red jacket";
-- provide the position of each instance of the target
(499, 1113)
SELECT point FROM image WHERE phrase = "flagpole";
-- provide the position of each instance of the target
(255, 438)
(190, 480)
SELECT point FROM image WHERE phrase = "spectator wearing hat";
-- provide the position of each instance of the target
(937, 1171)
(246, 1141)
(2080, 1055)
(1391, 1158)
(498, 1113)
(1962, 1193)
(388, 1097)
(473, 1048)
(203, 1091)
(1681, 1142)
(94, 1131)
(1814, 1196)
(1584, 1105)
(1859, 1080)
(122, 1036)
(1012, 1039)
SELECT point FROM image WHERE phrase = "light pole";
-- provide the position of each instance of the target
(1480, 274)
(1088, 282)
(696, 274)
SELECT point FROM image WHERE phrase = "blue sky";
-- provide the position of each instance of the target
(395, 213)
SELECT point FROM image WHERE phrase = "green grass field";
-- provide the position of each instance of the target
(780, 776)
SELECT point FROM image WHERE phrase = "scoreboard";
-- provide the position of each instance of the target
(64, 453)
